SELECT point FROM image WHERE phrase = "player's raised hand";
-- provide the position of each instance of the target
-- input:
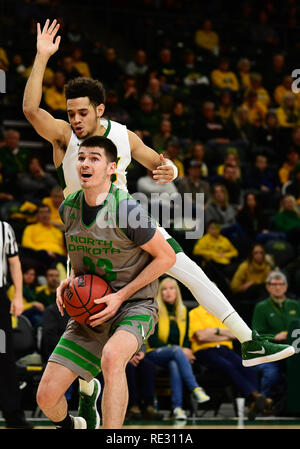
(164, 173)
(47, 45)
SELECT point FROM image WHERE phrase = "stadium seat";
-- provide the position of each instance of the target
(282, 251)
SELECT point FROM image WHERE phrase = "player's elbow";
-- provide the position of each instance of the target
(169, 257)
(29, 111)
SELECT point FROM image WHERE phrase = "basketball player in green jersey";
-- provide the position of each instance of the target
(85, 109)
(131, 258)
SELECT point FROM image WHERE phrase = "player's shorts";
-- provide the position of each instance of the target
(80, 347)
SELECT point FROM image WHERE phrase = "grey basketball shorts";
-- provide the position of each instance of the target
(80, 347)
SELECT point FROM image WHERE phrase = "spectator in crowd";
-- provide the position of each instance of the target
(164, 134)
(256, 84)
(147, 185)
(243, 73)
(257, 110)
(219, 209)
(163, 100)
(181, 120)
(193, 183)
(33, 308)
(206, 39)
(225, 109)
(128, 94)
(80, 65)
(68, 68)
(272, 316)
(263, 180)
(42, 243)
(140, 372)
(287, 169)
(13, 157)
(218, 254)
(166, 67)
(248, 281)
(288, 114)
(223, 78)
(54, 201)
(275, 72)
(285, 87)
(263, 34)
(46, 294)
(244, 129)
(172, 151)
(210, 128)
(230, 179)
(198, 154)
(169, 346)
(146, 118)
(269, 135)
(55, 97)
(192, 75)
(250, 217)
(287, 219)
(138, 67)
(36, 183)
(113, 109)
(111, 70)
(231, 158)
(212, 345)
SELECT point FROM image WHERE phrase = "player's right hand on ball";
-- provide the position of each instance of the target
(60, 291)
(46, 45)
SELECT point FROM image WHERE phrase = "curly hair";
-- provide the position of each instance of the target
(86, 87)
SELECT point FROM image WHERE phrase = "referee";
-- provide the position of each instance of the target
(10, 402)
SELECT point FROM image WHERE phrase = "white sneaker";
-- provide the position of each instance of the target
(79, 422)
(179, 413)
(200, 395)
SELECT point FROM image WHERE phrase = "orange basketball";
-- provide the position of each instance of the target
(79, 297)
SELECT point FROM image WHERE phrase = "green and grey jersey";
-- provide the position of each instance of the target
(109, 246)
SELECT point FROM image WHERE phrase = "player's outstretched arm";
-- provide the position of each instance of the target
(163, 169)
(45, 125)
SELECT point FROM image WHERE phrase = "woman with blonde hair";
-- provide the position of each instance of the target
(288, 218)
(169, 346)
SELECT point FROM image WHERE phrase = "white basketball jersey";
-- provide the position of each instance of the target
(67, 171)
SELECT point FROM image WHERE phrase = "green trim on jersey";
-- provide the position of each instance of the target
(175, 245)
(61, 176)
(108, 128)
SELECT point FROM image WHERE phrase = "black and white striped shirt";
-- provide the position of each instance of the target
(8, 248)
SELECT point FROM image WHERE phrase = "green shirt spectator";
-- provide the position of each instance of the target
(46, 294)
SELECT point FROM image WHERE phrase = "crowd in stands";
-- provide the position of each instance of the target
(218, 101)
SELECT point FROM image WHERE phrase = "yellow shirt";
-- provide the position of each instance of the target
(200, 319)
(55, 99)
(209, 247)
(11, 293)
(223, 80)
(249, 272)
(207, 40)
(54, 212)
(284, 172)
(283, 118)
(48, 238)
(83, 68)
(245, 79)
(257, 113)
(3, 56)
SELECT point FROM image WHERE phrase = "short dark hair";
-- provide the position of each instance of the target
(110, 148)
(85, 87)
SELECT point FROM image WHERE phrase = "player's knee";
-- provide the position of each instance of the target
(110, 360)
(46, 396)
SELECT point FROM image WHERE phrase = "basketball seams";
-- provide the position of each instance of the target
(84, 305)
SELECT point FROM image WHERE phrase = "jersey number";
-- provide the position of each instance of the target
(106, 264)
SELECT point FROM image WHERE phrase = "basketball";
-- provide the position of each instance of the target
(79, 297)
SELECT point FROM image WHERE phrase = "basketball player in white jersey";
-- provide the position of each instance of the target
(85, 107)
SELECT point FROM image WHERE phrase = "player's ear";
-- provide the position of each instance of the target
(100, 110)
(112, 166)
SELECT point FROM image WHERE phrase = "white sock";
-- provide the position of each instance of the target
(86, 387)
(238, 327)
